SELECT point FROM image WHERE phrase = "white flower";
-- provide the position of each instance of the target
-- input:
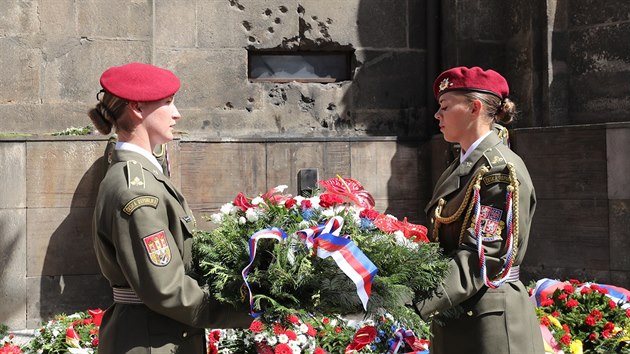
(283, 338)
(401, 240)
(242, 220)
(273, 340)
(299, 199)
(295, 347)
(216, 218)
(302, 339)
(315, 202)
(333, 322)
(281, 188)
(227, 208)
(259, 337)
(251, 215)
(257, 200)
(303, 328)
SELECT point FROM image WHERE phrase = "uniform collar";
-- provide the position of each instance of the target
(135, 148)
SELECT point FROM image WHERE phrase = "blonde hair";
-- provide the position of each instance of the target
(108, 114)
(500, 110)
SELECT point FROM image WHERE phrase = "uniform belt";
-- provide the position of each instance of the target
(513, 275)
(126, 296)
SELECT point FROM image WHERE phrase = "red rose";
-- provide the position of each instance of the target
(565, 327)
(283, 349)
(572, 303)
(597, 314)
(94, 342)
(256, 326)
(337, 329)
(242, 202)
(566, 339)
(609, 326)
(310, 331)
(562, 296)
(293, 319)
(369, 214)
(278, 329)
(290, 203)
(97, 316)
(326, 320)
(592, 337)
(612, 304)
(628, 312)
(291, 335)
(602, 291)
(555, 314)
(574, 281)
(606, 333)
(586, 291)
(546, 302)
(319, 350)
(327, 200)
(590, 320)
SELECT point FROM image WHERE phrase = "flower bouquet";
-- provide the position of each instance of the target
(327, 254)
(577, 317)
(75, 334)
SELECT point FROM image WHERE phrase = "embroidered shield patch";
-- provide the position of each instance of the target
(157, 248)
(491, 224)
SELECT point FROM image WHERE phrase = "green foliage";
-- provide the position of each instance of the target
(4, 330)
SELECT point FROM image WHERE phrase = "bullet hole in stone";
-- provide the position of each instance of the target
(268, 12)
(314, 18)
(228, 106)
(283, 9)
(331, 106)
(205, 124)
(234, 3)
(329, 21)
(277, 20)
(251, 39)
(247, 26)
(251, 100)
(270, 30)
(300, 9)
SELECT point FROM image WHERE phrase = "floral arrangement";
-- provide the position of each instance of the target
(318, 335)
(76, 334)
(327, 254)
(578, 317)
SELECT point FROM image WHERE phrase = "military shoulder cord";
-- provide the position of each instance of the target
(511, 223)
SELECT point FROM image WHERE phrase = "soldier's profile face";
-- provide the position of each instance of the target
(160, 118)
(453, 116)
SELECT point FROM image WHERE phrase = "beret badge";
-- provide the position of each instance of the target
(444, 84)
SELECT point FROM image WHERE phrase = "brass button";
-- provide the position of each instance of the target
(470, 313)
(184, 334)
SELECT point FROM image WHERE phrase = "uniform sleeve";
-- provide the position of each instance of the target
(150, 259)
(464, 276)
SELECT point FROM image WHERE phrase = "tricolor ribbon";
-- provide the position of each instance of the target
(545, 288)
(272, 233)
(405, 336)
(325, 240)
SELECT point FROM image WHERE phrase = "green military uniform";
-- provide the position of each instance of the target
(469, 316)
(143, 237)
(160, 153)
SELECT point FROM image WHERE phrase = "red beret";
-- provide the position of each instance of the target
(471, 79)
(139, 82)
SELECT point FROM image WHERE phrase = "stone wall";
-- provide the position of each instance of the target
(58, 49)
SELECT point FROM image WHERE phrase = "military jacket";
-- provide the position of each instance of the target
(142, 231)
(470, 317)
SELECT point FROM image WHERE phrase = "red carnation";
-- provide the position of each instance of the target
(628, 312)
(565, 327)
(574, 281)
(326, 320)
(311, 331)
(293, 319)
(592, 337)
(278, 329)
(597, 314)
(555, 314)
(256, 326)
(606, 333)
(586, 291)
(590, 320)
(327, 200)
(562, 296)
(319, 350)
(545, 321)
(337, 329)
(306, 204)
(283, 349)
(609, 326)
(602, 291)
(291, 335)
(612, 304)
(290, 203)
(566, 339)
(572, 303)
(369, 214)
(546, 302)
(568, 288)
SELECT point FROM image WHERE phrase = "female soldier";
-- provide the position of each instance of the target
(480, 213)
(143, 226)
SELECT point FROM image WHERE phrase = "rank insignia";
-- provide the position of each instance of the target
(157, 248)
(491, 224)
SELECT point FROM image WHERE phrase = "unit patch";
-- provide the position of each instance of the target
(491, 224)
(496, 178)
(157, 248)
(137, 202)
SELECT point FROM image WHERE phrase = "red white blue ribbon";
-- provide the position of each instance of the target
(406, 336)
(271, 233)
(325, 240)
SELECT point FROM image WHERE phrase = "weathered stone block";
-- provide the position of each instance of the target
(593, 12)
(57, 18)
(59, 242)
(18, 18)
(116, 18)
(242, 23)
(64, 173)
(51, 295)
(13, 175)
(13, 265)
(600, 49)
(176, 23)
(617, 156)
(619, 227)
(20, 76)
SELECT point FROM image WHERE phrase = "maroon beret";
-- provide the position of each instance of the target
(139, 82)
(471, 79)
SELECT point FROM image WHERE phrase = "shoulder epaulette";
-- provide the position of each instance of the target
(135, 174)
(495, 158)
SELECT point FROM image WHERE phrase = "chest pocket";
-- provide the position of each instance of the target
(188, 227)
